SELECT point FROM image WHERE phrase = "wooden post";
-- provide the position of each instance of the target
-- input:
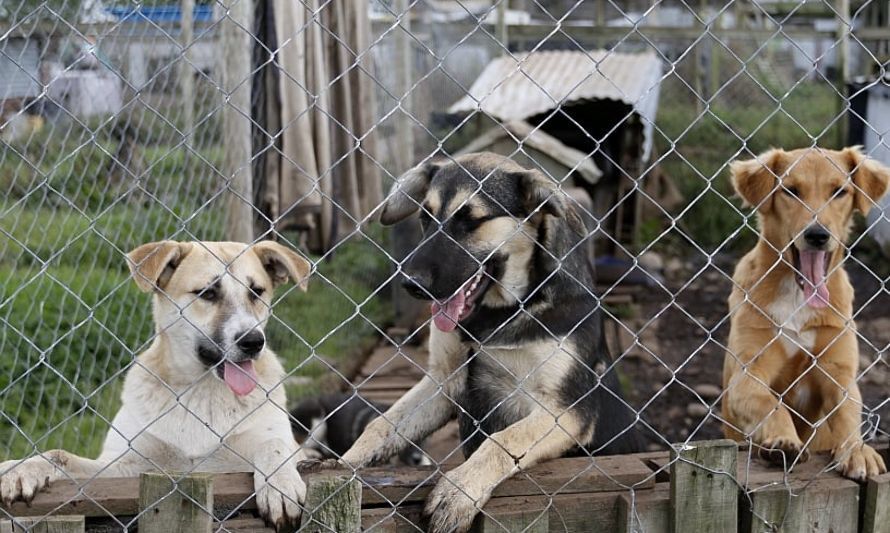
(185, 505)
(186, 73)
(404, 74)
(533, 521)
(237, 167)
(828, 504)
(844, 26)
(704, 493)
(333, 503)
(876, 517)
(49, 524)
(646, 511)
(502, 23)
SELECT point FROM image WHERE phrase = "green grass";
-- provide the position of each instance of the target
(700, 146)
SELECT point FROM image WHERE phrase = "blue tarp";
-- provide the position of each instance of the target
(158, 14)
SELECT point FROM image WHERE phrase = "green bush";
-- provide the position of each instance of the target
(699, 145)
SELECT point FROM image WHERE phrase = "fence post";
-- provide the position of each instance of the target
(333, 503)
(704, 495)
(186, 74)
(876, 518)
(49, 524)
(168, 506)
(236, 67)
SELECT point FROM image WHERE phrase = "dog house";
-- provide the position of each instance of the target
(600, 104)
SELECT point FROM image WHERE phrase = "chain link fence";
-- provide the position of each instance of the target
(127, 124)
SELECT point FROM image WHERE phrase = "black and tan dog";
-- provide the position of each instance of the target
(516, 341)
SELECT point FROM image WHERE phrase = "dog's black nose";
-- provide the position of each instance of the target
(251, 342)
(816, 236)
(416, 287)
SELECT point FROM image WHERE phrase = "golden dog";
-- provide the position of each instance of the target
(790, 371)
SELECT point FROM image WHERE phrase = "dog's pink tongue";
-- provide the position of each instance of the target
(812, 266)
(446, 316)
(240, 377)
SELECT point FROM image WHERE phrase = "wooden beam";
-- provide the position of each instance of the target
(821, 505)
(174, 503)
(237, 44)
(704, 494)
(333, 503)
(645, 510)
(186, 74)
(49, 524)
(876, 512)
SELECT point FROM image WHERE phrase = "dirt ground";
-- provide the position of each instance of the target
(674, 369)
(671, 358)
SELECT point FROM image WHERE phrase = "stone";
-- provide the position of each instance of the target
(697, 410)
(708, 391)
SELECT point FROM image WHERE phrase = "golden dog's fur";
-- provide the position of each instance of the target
(790, 371)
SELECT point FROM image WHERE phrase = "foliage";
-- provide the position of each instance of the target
(699, 145)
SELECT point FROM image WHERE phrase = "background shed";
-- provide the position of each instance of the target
(600, 103)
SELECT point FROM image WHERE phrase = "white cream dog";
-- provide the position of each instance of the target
(207, 395)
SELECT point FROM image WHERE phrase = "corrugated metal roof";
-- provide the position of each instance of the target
(527, 137)
(19, 68)
(524, 85)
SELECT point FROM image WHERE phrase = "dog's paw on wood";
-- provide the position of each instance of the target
(454, 502)
(783, 451)
(279, 497)
(860, 463)
(21, 480)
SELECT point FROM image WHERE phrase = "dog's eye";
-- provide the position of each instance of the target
(208, 294)
(840, 192)
(791, 191)
(256, 292)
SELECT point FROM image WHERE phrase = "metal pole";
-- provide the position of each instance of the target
(186, 75)
(237, 168)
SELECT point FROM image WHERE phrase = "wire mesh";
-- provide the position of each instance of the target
(129, 124)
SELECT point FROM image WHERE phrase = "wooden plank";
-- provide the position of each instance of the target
(233, 492)
(704, 495)
(754, 473)
(559, 476)
(646, 511)
(876, 513)
(563, 512)
(95, 497)
(252, 524)
(524, 520)
(819, 506)
(48, 524)
(333, 503)
(175, 503)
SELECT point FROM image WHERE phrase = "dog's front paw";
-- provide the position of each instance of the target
(860, 462)
(783, 451)
(279, 498)
(453, 504)
(20, 480)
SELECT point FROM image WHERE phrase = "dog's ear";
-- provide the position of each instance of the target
(282, 263)
(153, 264)
(870, 178)
(755, 180)
(540, 194)
(407, 193)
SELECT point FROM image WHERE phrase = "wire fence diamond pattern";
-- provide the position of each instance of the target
(424, 373)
